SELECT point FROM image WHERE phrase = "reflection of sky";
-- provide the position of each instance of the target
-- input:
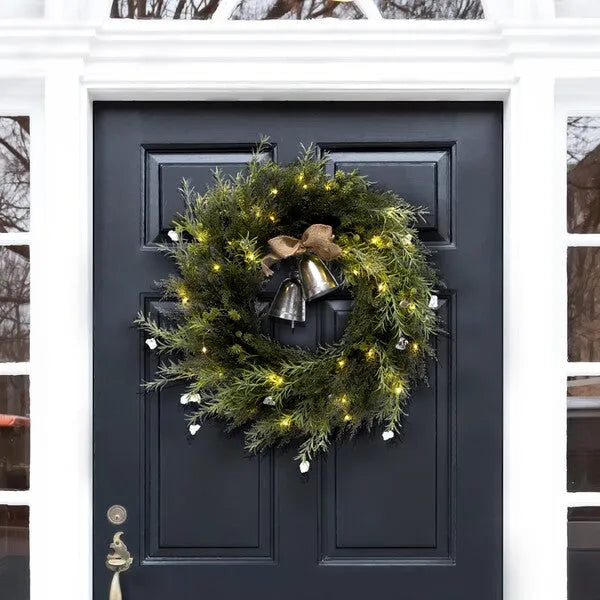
(583, 135)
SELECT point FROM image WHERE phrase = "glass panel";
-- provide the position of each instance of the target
(577, 8)
(14, 174)
(583, 434)
(583, 274)
(14, 304)
(14, 552)
(296, 9)
(14, 432)
(583, 174)
(584, 552)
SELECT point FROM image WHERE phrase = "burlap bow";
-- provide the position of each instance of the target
(316, 239)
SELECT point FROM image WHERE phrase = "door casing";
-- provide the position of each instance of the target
(75, 146)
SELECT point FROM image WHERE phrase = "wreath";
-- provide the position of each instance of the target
(225, 247)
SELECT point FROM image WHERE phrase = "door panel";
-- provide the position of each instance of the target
(419, 516)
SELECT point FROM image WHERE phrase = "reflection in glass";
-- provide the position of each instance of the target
(14, 432)
(583, 275)
(14, 552)
(584, 552)
(14, 304)
(14, 174)
(583, 434)
(296, 9)
(583, 174)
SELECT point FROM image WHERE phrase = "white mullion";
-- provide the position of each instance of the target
(582, 369)
(18, 238)
(583, 499)
(583, 239)
(14, 368)
(15, 497)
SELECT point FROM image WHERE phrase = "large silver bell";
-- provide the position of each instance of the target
(315, 277)
(288, 303)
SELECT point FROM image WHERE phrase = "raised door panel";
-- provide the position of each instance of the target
(422, 176)
(401, 489)
(196, 508)
(164, 171)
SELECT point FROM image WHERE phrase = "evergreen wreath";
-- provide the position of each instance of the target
(279, 394)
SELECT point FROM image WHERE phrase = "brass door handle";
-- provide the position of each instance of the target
(118, 560)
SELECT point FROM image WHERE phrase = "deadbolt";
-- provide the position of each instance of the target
(116, 514)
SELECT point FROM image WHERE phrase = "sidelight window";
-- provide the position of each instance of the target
(14, 356)
(583, 352)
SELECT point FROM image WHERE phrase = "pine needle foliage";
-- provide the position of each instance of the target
(218, 347)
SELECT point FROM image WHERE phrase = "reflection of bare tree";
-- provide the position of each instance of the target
(431, 9)
(14, 174)
(583, 183)
(583, 213)
(14, 304)
(296, 9)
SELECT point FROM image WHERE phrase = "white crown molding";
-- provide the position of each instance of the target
(384, 41)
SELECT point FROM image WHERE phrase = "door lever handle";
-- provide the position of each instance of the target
(118, 560)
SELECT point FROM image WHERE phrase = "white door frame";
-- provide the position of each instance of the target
(282, 61)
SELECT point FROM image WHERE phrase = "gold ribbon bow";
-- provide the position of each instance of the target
(317, 239)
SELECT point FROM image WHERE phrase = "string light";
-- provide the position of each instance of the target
(216, 267)
(414, 347)
(411, 307)
(347, 417)
(285, 422)
(341, 363)
(399, 388)
(305, 186)
(185, 300)
(355, 271)
(274, 191)
(272, 218)
(300, 178)
(382, 287)
(370, 353)
(202, 236)
(377, 241)
(275, 380)
(257, 211)
(204, 349)
(343, 399)
(329, 185)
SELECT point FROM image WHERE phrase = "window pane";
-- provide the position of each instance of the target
(14, 552)
(14, 304)
(584, 553)
(14, 432)
(577, 8)
(583, 270)
(583, 174)
(297, 9)
(14, 174)
(583, 434)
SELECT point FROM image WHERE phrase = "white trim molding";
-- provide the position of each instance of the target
(55, 69)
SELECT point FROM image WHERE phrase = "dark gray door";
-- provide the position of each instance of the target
(419, 518)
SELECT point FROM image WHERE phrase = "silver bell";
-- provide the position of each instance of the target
(288, 303)
(315, 277)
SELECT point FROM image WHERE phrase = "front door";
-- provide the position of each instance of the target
(419, 518)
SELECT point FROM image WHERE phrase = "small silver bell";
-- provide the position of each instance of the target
(288, 303)
(315, 277)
